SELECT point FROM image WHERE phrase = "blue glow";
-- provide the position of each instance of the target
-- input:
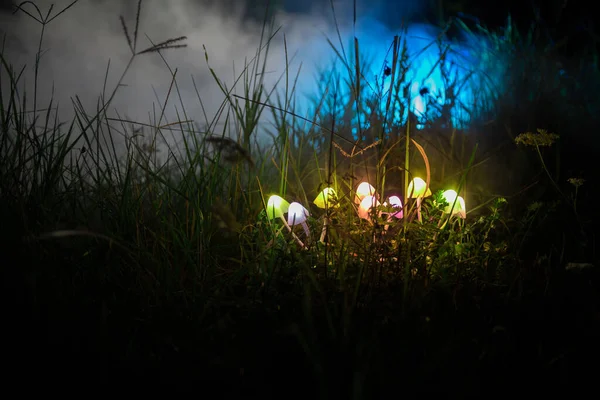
(470, 73)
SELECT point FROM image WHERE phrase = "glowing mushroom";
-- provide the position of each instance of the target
(367, 203)
(276, 207)
(327, 198)
(417, 189)
(363, 190)
(456, 204)
(396, 203)
(297, 214)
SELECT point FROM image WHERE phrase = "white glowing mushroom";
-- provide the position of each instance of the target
(456, 204)
(297, 214)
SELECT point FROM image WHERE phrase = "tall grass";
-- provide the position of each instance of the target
(184, 246)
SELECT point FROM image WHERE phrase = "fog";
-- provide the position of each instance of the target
(79, 45)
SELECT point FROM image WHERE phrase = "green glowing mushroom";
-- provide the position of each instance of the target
(327, 198)
(276, 207)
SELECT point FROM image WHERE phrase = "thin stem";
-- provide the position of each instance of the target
(296, 238)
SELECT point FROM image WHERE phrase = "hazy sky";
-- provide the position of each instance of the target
(79, 44)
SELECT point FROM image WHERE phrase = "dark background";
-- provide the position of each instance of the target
(559, 19)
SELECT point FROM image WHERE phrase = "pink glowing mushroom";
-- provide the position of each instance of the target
(395, 202)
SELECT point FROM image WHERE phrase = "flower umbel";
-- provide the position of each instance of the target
(541, 138)
(576, 181)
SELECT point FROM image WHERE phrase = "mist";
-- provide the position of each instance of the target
(86, 44)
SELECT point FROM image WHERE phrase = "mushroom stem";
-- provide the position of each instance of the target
(296, 238)
(419, 209)
(306, 231)
(324, 230)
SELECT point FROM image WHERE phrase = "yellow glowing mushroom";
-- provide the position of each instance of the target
(456, 204)
(417, 189)
(363, 190)
(327, 198)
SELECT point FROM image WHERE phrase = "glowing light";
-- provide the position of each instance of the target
(363, 190)
(396, 203)
(416, 189)
(366, 204)
(297, 214)
(276, 207)
(327, 198)
(459, 208)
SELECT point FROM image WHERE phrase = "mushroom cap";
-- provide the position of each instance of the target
(460, 208)
(396, 203)
(364, 189)
(416, 189)
(327, 198)
(276, 207)
(297, 214)
(365, 206)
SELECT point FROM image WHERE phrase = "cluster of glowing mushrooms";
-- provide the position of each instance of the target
(366, 199)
